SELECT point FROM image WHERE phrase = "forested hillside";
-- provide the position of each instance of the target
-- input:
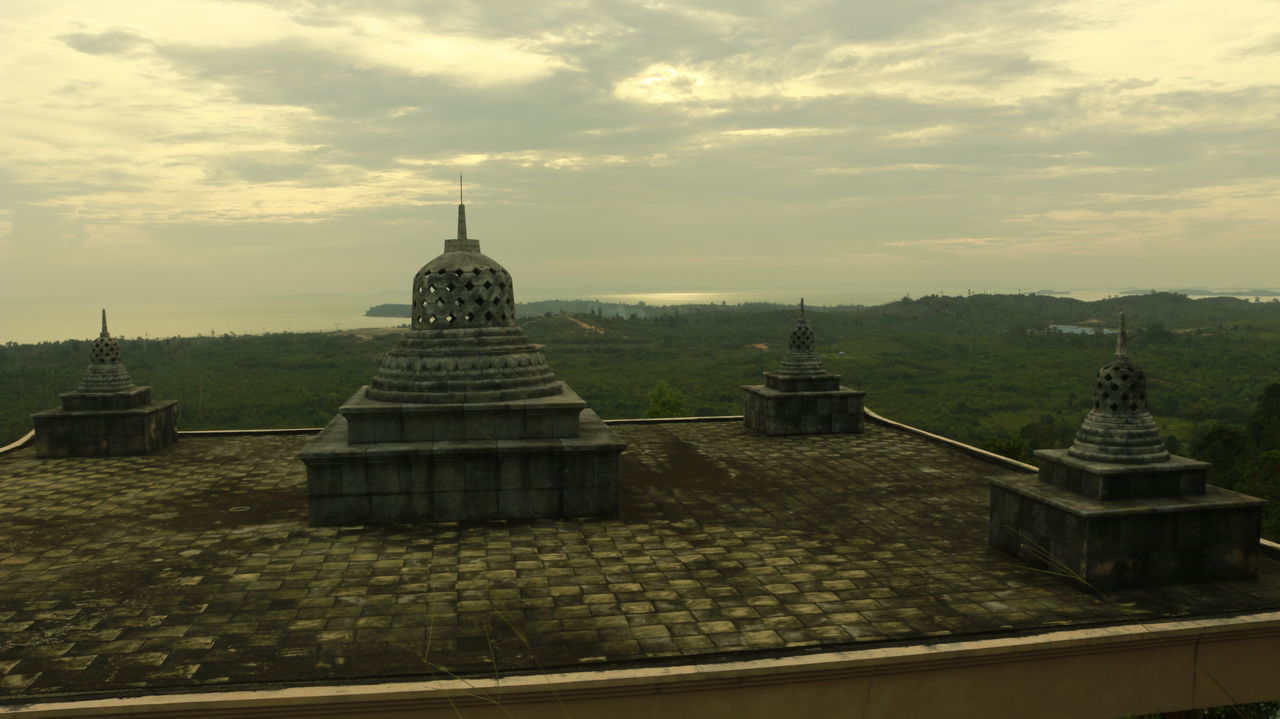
(979, 369)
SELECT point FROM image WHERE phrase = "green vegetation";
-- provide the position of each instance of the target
(1246, 457)
(665, 402)
(979, 369)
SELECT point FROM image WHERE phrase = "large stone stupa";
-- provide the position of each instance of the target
(107, 415)
(802, 397)
(1116, 509)
(464, 420)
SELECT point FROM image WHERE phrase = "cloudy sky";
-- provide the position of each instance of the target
(156, 149)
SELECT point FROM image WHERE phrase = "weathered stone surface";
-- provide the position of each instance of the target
(774, 412)
(1121, 544)
(107, 432)
(728, 545)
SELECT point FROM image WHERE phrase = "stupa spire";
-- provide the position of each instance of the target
(462, 213)
(1122, 346)
(104, 332)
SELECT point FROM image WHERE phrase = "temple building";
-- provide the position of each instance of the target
(802, 397)
(107, 415)
(466, 539)
(464, 420)
(1116, 510)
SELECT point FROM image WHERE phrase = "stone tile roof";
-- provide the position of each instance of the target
(194, 568)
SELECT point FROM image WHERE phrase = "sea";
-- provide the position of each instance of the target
(51, 321)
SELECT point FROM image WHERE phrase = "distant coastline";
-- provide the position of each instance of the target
(643, 310)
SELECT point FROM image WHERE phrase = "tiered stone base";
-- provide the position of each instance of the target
(1139, 541)
(372, 421)
(834, 411)
(433, 467)
(94, 424)
(1174, 477)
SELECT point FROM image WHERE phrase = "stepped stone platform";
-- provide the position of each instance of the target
(801, 397)
(461, 462)
(104, 425)
(464, 420)
(107, 415)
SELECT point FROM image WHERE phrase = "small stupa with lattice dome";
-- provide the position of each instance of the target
(1119, 428)
(107, 414)
(1116, 509)
(801, 396)
(464, 420)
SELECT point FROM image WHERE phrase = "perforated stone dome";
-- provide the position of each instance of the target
(105, 372)
(1120, 428)
(462, 288)
(463, 345)
(104, 350)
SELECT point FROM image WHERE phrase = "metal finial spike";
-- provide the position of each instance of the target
(1122, 347)
(104, 324)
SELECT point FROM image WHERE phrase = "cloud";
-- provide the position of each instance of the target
(110, 42)
(618, 130)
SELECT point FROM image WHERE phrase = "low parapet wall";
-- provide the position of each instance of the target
(1111, 671)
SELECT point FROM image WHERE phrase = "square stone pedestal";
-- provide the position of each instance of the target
(1179, 476)
(771, 411)
(415, 475)
(106, 424)
(1145, 535)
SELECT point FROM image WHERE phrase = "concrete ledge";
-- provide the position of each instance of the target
(968, 449)
(1130, 669)
(19, 443)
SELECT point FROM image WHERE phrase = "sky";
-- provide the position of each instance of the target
(176, 151)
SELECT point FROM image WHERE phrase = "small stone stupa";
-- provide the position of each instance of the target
(464, 420)
(1116, 509)
(107, 414)
(802, 397)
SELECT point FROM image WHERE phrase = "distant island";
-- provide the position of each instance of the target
(1209, 293)
(389, 310)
